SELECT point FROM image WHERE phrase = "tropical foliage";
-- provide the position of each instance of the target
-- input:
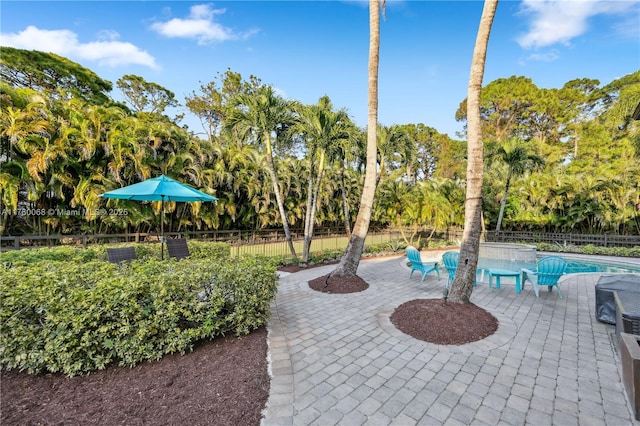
(64, 141)
(64, 310)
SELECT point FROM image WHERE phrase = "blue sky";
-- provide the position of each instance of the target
(307, 49)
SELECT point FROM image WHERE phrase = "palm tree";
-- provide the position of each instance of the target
(462, 285)
(24, 117)
(263, 117)
(393, 144)
(519, 158)
(347, 152)
(19, 123)
(435, 208)
(351, 259)
(236, 171)
(323, 129)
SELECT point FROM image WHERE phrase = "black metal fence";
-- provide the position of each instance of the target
(323, 238)
(565, 239)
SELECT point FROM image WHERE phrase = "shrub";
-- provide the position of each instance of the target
(326, 255)
(212, 250)
(75, 317)
(59, 253)
(590, 249)
(388, 247)
(198, 250)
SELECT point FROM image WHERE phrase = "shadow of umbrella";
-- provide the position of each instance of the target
(161, 189)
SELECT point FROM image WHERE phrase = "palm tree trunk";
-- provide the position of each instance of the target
(345, 202)
(314, 202)
(276, 190)
(503, 203)
(308, 214)
(462, 285)
(351, 259)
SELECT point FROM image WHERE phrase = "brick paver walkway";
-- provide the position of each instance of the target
(336, 359)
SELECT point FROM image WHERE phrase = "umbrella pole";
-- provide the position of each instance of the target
(162, 228)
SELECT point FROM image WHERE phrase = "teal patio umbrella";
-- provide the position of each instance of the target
(161, 189)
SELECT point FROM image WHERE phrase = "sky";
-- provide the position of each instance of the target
(308, 49)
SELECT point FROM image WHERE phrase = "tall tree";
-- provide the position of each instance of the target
(462, 285)
(51, 73)
(348, 153)
(145, 96)
(393, 146)
(424, 151)
(322, 128)
(216, 100)
(625, 93)
(517, 155)
(265, 117)
(350, 261)
(504, 107)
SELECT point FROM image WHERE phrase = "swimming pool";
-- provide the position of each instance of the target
(576, 264)
(580, 266)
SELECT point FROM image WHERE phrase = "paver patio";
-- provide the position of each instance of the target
(337, 359)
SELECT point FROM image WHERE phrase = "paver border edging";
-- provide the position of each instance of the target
(279, 407)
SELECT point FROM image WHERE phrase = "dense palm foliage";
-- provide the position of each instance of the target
(59, 151)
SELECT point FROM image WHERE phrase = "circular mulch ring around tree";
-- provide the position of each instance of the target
(436, 321)
(338, 285)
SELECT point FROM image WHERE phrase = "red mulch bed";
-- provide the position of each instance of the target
(335, 285)
(442, 323)
(338, 285)
(222, 382)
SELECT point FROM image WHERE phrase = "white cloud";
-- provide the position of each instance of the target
(198, 25)
(280, 92)
(108, 51)
(549, 56)
(559, 21)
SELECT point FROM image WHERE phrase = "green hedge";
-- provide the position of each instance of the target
(198, 250)
(77, 316)
(74, 254)
(590, 249)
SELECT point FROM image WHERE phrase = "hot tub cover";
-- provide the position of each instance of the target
(607, 284)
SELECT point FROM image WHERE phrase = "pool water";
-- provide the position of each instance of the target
(575, 265)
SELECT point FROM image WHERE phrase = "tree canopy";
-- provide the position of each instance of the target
(51, 73)
(63, 142)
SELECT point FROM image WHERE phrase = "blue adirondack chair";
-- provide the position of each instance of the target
(418, 265)
(548, 272)
(450, 260)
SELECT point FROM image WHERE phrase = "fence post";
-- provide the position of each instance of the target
(605, 240)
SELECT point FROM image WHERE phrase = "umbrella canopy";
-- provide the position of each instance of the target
(162, 189)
